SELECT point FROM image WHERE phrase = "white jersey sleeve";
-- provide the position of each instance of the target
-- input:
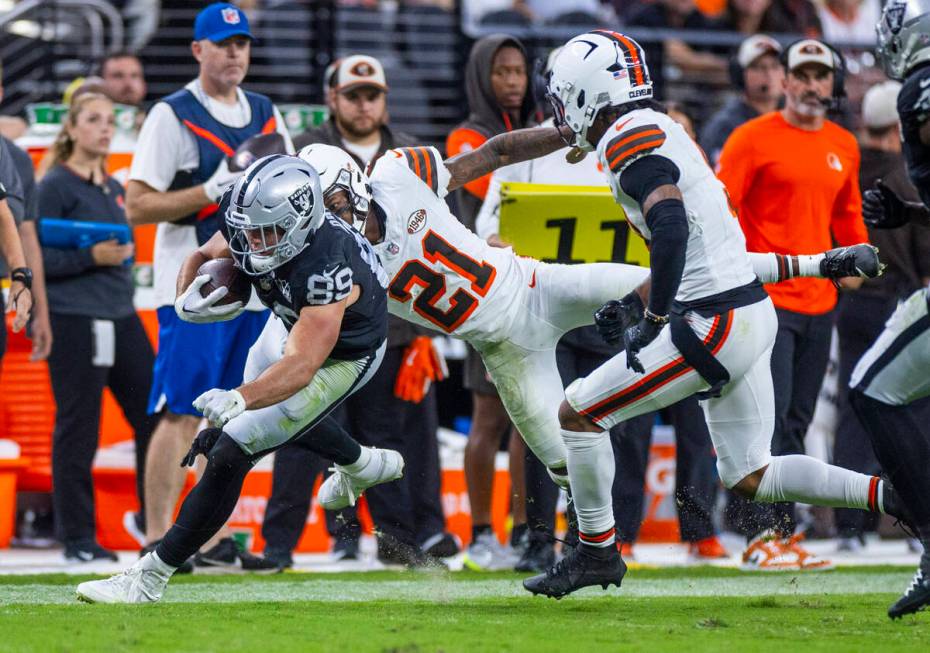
(716, 258)
(425, 162)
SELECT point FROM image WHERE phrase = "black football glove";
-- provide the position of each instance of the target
(201, 445)
(616, 316)
(882, 208)
(636, 338)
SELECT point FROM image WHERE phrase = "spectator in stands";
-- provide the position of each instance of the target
(850, 22)
(496, 85)
(680, 114)
(179, 171)
(408, 513)
(774, 16)
(861, 316)
(679, 15)
(757, 73)
(123, 79)
(102, 342)
(592, 12)
(793, 177)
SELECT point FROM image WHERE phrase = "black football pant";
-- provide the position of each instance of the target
(696, 476)
(77, 385)
(860, 320)
(409, 509)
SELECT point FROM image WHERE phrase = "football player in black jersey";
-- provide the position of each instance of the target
(327, 289)
(896, 370)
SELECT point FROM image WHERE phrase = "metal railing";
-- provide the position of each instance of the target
(46, 43)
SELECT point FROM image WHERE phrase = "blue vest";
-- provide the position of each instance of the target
(214, 141)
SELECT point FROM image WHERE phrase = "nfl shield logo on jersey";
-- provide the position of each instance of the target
(231, 16)
(302, 200)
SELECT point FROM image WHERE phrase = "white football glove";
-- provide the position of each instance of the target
(191, 307)
(222, 178)
(220, 406)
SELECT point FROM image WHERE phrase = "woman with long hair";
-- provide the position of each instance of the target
(99, 340)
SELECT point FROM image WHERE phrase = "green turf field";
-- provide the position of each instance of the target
(681, 610)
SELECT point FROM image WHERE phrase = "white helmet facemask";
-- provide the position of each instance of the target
(339, 172)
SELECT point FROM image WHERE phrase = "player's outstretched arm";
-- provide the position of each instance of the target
(502, 150)
(856, 261)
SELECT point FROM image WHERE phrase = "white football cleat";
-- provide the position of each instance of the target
(144, 582)
(343, 488)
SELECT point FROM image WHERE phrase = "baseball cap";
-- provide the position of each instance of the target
(880, 105)
(219, 21)
(756, 46)
(810, 51)
(359, 70)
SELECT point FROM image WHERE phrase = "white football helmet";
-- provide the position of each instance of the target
(903, 36)
(339, 171)
(275, 208)
(592, 71)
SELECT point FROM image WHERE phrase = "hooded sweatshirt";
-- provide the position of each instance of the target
(485, 118)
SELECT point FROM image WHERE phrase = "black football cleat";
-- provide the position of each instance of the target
(580, 568)
(854, 261)
(915, 598)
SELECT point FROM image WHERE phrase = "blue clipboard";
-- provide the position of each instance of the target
(79, 234)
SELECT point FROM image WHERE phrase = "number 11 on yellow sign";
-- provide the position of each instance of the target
(568, 224)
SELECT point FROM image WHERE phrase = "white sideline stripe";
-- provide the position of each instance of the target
(440, 590)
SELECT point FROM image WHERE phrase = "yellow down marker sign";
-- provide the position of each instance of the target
(568, 224)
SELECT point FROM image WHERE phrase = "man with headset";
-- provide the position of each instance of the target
(793, 178)
(755, 71)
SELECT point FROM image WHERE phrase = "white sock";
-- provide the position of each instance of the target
(808, 480)
(157, 564)
(591, 469)
(772, 268)
(356, 468)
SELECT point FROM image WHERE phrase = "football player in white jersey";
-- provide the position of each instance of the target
(722, 323)
(512, 309)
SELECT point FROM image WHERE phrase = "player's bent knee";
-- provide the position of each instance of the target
(572, 420)
(227, 454)
(748, 486)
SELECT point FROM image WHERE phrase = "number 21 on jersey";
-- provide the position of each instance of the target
(433, 283)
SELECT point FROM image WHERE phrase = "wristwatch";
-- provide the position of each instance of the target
(23, 275)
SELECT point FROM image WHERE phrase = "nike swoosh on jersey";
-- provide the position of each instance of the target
(533, 280)
(622, 124)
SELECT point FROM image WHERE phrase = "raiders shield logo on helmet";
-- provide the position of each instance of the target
(302, 200)
(894, 15)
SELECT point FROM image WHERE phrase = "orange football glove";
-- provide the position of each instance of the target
(421, 366)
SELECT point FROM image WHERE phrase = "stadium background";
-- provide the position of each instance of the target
(45, 45)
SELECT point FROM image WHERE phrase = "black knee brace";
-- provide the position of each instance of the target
(209, 504)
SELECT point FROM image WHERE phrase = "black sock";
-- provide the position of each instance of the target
(902, 448)
(328, 439)
(479, 529)
(517, 533)
(209, 504)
